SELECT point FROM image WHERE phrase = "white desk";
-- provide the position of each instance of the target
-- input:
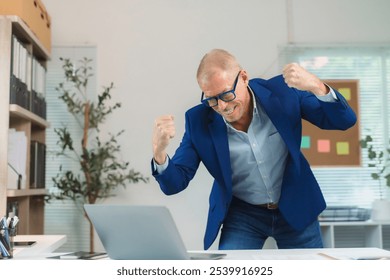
(307, 254)
(45, 244)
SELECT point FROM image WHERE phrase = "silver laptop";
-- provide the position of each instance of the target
(135, 232)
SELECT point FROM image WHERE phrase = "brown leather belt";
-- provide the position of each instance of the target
(271, 206)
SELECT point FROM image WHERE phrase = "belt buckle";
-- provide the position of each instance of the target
(272, 206)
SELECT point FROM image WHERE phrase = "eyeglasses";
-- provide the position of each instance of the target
(226, 96)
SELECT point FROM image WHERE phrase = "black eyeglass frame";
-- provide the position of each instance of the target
(206, 101)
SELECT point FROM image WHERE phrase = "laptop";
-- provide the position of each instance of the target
(138, 232)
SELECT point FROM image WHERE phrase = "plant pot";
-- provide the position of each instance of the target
(380, 210)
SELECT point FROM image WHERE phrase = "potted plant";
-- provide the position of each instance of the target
(101, 169)
(379, 161)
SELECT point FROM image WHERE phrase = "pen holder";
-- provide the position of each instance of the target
(5, 248)
(7, 242)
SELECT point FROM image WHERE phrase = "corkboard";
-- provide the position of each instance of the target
(334, 147)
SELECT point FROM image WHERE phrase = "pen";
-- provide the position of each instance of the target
(374, 258)
(3, 249)
(11, 222)
(14, 221)
(8, 221)
(4, 242)
(4, 222)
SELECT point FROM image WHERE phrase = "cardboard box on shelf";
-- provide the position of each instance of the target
(34, 14)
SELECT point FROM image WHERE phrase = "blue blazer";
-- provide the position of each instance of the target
(205, 140)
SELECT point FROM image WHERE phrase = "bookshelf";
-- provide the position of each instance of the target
(24, 119)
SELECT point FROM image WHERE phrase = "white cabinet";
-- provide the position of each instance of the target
(350, 235)
(356, 234)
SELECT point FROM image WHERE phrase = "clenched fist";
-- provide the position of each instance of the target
(299, 78)
(164, 130)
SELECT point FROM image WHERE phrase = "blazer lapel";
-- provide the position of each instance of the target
(218, 132)
(274, 110)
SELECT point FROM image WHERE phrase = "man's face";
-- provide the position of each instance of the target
(233, 110)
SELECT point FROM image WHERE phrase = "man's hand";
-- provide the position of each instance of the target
(164, 130)
(299, 78)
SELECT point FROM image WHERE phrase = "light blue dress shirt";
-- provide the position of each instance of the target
(258, 158)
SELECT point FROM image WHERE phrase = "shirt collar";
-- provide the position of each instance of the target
(254, 100)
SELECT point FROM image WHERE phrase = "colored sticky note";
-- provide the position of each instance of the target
(305, 143)
(323, 146)
(342, 148)
(346, 92)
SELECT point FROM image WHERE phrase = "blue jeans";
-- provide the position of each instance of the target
(248, 226)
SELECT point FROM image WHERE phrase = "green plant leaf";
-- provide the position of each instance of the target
(101, 168)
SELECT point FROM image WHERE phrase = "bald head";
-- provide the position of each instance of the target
(217, 61)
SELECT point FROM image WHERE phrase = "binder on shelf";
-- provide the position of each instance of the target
(17, 159)
(38, 104)
(28, 80)
(38, 95)
(20, 77)
(37, 165)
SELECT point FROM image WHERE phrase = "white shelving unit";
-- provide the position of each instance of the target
(356, 234)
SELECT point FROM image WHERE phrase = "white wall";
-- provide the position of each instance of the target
(150, 49)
